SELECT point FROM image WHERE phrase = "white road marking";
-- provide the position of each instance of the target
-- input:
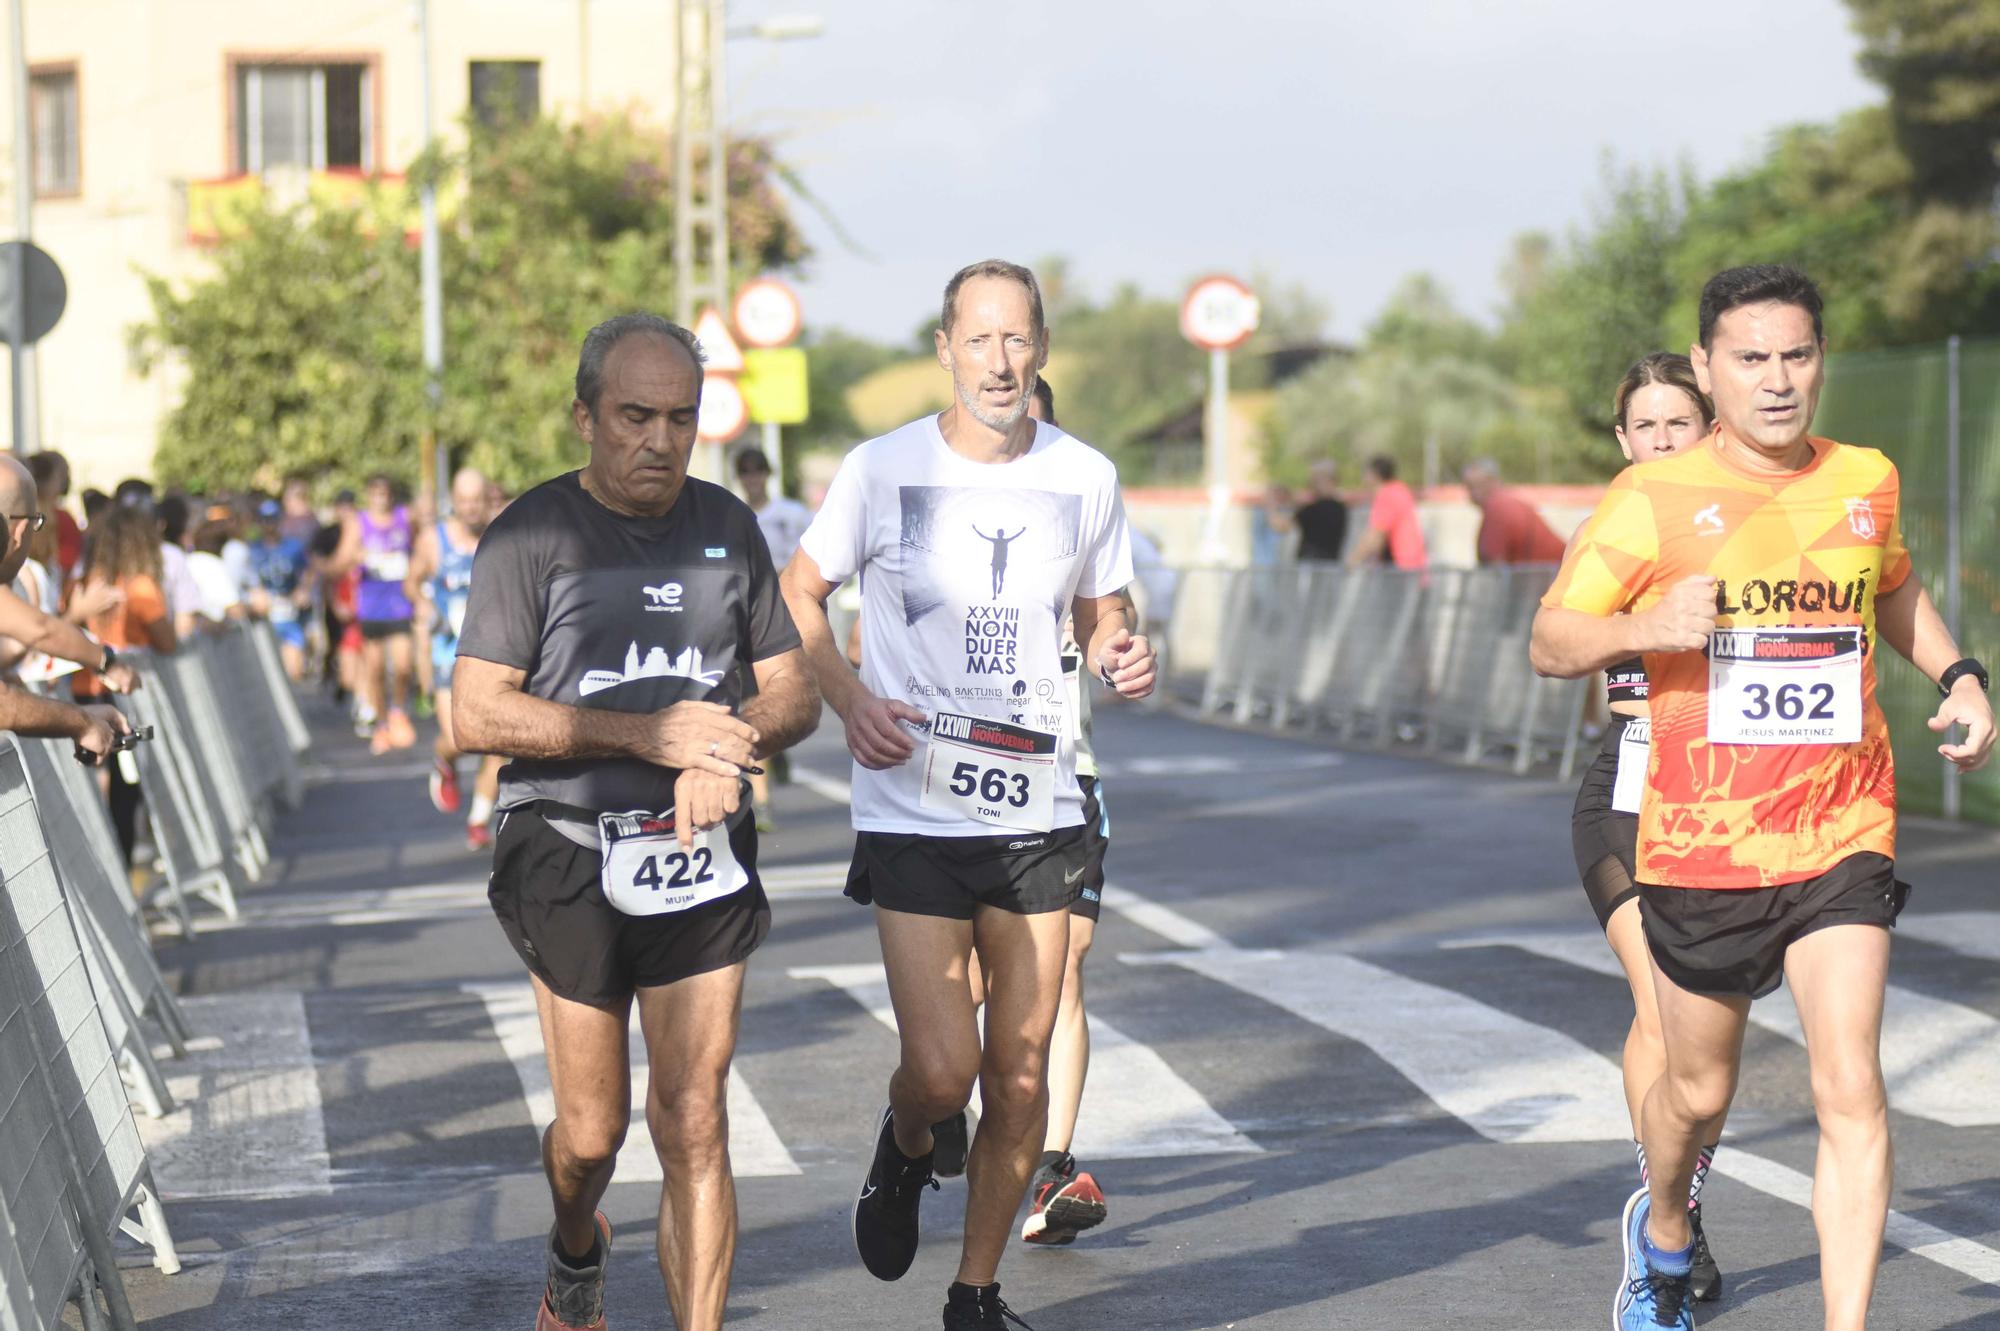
(754, 1148)
(248, 1120)
(1941, 1059)
(1168, 923)
(1975, 933)
(1510, 1080)
(835, 788)
(1212, 764)
(1134, 1105)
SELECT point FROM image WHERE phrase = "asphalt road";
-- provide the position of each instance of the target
(1356, 1068)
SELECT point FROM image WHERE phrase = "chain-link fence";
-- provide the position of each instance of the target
(1936, 412)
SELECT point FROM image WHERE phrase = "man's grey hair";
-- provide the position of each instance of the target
(599, 341)
(1481, 467)
(1001, 268)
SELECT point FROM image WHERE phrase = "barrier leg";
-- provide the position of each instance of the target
(151, 1227)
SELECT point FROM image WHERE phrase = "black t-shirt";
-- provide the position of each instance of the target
(1322, 529)
(623, 614)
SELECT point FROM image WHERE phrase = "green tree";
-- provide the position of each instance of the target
(301, 347)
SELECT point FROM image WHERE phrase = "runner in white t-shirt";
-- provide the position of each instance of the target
(975, 532)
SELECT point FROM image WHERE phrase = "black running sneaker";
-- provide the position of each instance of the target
(1063, 1202)
(1704, 1279)
(573, 1298)
(951, 1143)
(978, 1308)
(885, 1215)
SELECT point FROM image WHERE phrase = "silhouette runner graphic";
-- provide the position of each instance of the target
(1000, 544)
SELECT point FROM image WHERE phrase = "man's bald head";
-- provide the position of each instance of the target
(471, 499)
(19, 502)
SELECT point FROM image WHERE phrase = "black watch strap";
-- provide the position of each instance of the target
(1958, 670)
(110, 658)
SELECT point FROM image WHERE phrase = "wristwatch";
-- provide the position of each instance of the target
(110, 658)
(1958, 670)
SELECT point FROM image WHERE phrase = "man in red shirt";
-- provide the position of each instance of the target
(1394, 535)
(1511, 531)
(51, 472)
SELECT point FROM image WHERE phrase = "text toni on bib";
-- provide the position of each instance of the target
(991, 772)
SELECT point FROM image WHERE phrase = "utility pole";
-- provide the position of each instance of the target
(701, 215)
(27, 413)
(435, 465)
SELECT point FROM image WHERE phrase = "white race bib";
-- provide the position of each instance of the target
(1785, 686)
(385, 565)
(646, 872)
(1634, 748)
(991, 772)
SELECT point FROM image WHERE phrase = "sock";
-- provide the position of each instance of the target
(960, 1292)
(1675, 1263)
(481, 812)
(1702, 1160)
(1052, 1160)
(1645, 1175)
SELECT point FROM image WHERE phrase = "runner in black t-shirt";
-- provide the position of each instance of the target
(1322, 522)
(610, 610)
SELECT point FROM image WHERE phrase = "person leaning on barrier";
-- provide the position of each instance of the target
(610, 611)
(29, 624)
(1393, 535)
(93, 729)
(1322, 520)
(1510, 530)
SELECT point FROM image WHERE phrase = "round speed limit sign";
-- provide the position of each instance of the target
(1219, 314)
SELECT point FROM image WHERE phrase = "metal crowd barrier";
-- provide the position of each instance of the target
(1385, 656)
(81, 995)
(65, 1102)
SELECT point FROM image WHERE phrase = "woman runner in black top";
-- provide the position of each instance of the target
(1659, 410)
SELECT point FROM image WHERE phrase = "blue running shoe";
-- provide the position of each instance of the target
(1647, 1298)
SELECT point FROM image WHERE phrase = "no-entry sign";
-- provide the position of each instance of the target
(1219, 313)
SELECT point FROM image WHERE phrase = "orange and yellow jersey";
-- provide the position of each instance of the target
(1799, 560)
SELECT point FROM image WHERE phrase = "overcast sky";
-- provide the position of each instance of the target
(1341, 145)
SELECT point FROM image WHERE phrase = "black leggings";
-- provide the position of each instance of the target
(125, 803)
(1606, 841)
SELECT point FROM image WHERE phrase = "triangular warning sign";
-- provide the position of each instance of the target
(717, 343)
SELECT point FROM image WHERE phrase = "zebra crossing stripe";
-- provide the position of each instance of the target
(1510, 1080)
(1940, 1059)
(1134, 1105)
(754, 1148)
(247, 1121)
(1975, 933)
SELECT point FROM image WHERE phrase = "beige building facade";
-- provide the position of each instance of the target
(146, 112)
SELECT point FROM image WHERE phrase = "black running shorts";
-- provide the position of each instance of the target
(546, 893)
(1096, 841)
(1605, 840)
(1028, 873)
(375, 630)
(1732, 941)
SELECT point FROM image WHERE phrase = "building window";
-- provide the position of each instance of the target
(506, 92)
(307, 116)
(52, 113)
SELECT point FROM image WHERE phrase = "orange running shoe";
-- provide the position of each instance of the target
(573, 1299)
(1065, 1202)
(401, 733)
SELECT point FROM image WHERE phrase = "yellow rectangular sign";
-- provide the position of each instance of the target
(774, 385)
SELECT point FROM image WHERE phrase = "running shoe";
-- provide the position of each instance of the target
(1704, 1279)
(885, 1215)
(401, 733)
(1647, 1298)
(765, 822)
(380, 740)
(970, 1308)
(423, 707)
(951, 1143)
(444, 786)
(478, 836)
(1064, 1203)
(573, 1300)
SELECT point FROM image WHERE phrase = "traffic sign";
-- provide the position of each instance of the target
(722, 354)
(767, 313)
(1219, 313)
(47, 292)
(774, 385)
(723, 413)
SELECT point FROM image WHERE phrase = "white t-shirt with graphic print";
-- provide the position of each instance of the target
(968, 570)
